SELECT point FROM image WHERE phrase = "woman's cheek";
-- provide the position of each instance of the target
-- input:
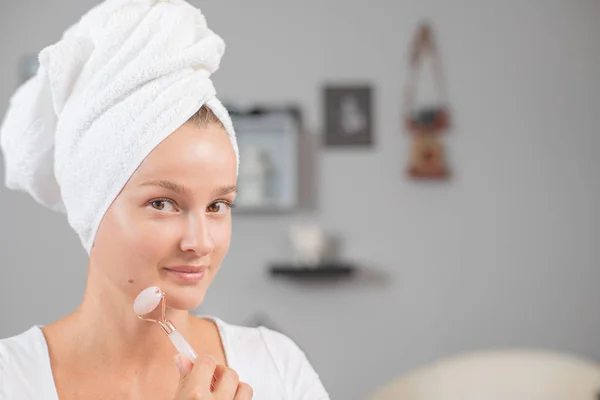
(221, 235)
(127, 221)
(138, 232)
(155, 234)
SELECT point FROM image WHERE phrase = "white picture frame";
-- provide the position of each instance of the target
(270, 135)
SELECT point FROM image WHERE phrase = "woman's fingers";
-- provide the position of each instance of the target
(244, 392)
(226, 382)
(202, 373)
(197, 382)
(183, 365)
(228, 385)
(208, 380)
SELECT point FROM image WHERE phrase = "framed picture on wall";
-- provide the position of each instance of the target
(348, 116)
(268, 144)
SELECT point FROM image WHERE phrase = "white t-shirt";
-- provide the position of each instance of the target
(270, 362)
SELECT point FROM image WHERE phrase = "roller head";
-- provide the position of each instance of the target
(147, 300)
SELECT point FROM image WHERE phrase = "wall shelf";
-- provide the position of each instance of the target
(325, 271)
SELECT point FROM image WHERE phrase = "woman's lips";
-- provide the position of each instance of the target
(187, 273)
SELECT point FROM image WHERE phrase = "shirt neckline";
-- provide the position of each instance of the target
(218, 322)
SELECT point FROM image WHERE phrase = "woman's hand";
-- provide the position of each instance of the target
(208, 381)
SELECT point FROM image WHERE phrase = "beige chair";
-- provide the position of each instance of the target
(499, 375)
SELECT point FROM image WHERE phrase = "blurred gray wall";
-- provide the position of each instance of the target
(506, 254)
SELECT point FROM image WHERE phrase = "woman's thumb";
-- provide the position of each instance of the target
(183, 365)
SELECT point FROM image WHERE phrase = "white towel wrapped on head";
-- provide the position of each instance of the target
(119, 82)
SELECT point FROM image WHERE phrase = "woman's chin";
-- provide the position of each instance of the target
(185, 298)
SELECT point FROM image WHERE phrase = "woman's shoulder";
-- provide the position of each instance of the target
(29, 345)
(274, 356)
(254, 340)
(24, 364)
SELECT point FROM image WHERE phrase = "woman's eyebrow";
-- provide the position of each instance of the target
(172, 186)
(182, 190)
(224, 190)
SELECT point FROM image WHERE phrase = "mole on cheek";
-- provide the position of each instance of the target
(130, 281)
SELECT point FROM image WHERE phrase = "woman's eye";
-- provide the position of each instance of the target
(162, 205)
(219, 207)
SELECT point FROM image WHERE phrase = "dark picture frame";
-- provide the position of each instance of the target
(348, 115)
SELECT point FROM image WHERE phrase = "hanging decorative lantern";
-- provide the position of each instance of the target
(427, 124)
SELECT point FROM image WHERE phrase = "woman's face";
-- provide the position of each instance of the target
(171, 224)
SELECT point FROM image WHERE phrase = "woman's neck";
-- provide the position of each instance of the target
(105, 328)
(104, 348)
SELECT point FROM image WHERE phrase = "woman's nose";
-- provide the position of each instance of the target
(197, 236)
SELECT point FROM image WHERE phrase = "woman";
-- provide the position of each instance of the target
(121, 129)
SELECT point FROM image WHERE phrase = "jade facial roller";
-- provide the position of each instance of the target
(146, 302)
